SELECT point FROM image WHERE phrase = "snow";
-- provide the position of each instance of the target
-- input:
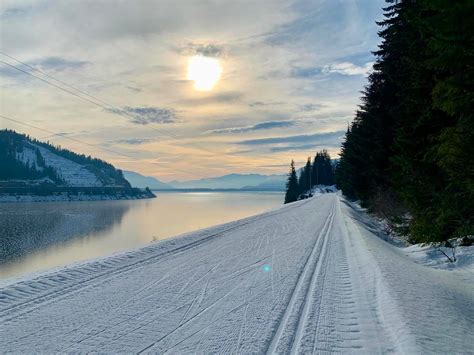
(72, 173)
(64, 197)
(28, 157)
(432, 256)
(311, 277)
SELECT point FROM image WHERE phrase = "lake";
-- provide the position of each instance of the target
(43, 235)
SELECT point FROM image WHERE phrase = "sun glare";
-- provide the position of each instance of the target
(204, 71)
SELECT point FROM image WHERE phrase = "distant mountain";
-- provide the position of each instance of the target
(235, 181)
(29, 166)
(138, 180)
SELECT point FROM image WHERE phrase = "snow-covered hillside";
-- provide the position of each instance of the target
(27, 161)
(310, 277)
(73, 174)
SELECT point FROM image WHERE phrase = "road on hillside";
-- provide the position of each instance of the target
(313, 276)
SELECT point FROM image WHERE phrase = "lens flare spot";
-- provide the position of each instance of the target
(266, 268)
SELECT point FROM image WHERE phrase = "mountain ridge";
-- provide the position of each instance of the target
(35, 168)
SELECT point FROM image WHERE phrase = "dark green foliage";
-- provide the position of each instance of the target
(320, 172)
(292, 189)
(12, 144)
(304, 182)
(411, 145)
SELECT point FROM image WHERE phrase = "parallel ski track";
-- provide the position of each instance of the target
(289, 331)
(62, 291)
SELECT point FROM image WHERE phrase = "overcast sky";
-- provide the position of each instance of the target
(292, 72)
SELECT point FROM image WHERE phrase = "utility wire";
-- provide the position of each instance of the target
(98, 102)
(91, 145)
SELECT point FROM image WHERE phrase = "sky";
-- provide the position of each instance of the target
(287, 79)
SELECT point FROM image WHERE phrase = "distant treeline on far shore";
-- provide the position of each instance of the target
(318, 172)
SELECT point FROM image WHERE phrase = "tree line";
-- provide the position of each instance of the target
(12, 146)
(409, 153)
(318, 172)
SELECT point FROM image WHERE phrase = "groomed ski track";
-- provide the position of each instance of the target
(311, 277)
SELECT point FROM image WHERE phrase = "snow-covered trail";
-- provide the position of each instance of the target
(311, 276)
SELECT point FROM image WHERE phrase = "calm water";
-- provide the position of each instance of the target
(39, 236)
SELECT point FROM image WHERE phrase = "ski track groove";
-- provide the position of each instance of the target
(333, 287)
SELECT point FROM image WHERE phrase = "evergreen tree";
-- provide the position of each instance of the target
(292, 189)
(322, 169)
(411, 142)
(305, 179)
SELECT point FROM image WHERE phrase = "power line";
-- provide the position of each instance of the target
(50, 83)
(92, 145)
(98, 102)
(51, 77)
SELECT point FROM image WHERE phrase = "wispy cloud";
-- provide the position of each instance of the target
(135, 141)
(146, 115)
(134, 89)
(319, 138)
(343, 68)
(347, 68)
(48, 64)
(205, 49)
(270, 103)
(310, 107)
(58, 64)
(306, 72)
(255, 127)
(291, 148)
(224, 97)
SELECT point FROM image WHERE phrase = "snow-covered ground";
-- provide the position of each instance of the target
(313, 276)
(72, 173)
(63, 197)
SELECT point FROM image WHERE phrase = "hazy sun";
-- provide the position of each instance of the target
(204, 71)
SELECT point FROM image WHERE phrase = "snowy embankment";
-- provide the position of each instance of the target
(312, 276)
(64, 197)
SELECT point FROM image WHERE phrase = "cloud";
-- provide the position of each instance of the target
(255, 127)
(205, 49)
(343, 68)
(306, 72)
(347, 68)
(293, 148)
(261, 103)
(135, 141)
(146, 115)
(310, 107)
(12, 12)
(48, 64)
(134, 89)
(58, 64)
(319, 138)
(225, 97)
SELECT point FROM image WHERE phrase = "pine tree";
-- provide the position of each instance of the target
(305, 179)
(292, 189)
(322, 169)
(411, 142)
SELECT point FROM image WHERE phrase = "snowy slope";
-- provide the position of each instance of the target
(310, 277)
(28, 157)
(72, 173)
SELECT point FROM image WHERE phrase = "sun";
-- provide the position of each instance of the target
(204, 71)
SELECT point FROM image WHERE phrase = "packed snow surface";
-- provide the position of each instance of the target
(313, 276)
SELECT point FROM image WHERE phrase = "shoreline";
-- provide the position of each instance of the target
(78, 195)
